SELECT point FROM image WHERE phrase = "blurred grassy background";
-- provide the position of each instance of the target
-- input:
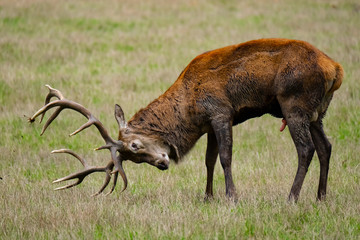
(104, 52)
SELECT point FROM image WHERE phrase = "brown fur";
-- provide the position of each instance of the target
(286, 78)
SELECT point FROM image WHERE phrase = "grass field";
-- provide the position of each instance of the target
(100, 53)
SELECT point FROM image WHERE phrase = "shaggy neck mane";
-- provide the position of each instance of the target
(166, 118)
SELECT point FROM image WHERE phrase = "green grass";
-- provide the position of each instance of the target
(100, 53)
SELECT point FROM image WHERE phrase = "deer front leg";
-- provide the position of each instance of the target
(212, 152)
(223, 133)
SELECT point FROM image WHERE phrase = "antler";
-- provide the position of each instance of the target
(88, 170)
(111, 144)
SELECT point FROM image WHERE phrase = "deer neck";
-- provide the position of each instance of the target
(168, 118)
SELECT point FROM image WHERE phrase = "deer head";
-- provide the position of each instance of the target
(138, 147)
(130, 145)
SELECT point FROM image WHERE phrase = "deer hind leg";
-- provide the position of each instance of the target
(223, 132)
(299, 127)
(212, 152)
(322, 145)
(323, 150)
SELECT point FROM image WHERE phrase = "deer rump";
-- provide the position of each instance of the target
(289, 79)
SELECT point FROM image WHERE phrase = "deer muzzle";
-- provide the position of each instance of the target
(163, 162)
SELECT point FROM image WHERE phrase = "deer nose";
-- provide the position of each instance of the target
(163, 162)
(162, 165)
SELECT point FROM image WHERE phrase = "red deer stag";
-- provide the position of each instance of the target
(288, 79)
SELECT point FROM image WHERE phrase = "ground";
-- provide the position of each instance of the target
(100, 53)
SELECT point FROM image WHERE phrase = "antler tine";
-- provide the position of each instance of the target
(122, 174)
(51, 118)
(114, 184)
(109, 167)
(82, 160)
(88, 170)
(118, 166)
(52, 93)
(107, 180)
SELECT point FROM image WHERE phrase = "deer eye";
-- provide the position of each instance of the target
(136, 146)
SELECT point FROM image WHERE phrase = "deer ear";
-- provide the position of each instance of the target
(119, 116)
